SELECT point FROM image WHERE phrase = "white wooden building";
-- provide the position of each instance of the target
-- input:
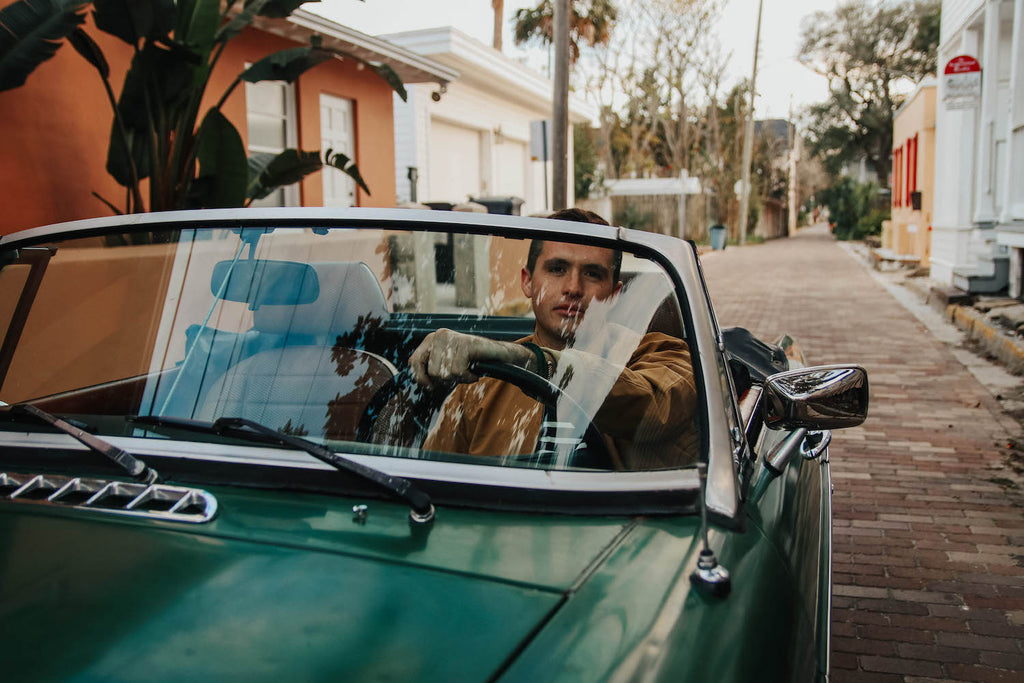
(473, 139)
(978, 225)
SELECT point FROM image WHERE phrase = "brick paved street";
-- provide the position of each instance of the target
(929, 520)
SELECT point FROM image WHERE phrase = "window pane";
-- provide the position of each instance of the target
(265, 131)
(267, 97)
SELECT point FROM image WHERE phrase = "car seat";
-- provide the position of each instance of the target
(310, 385)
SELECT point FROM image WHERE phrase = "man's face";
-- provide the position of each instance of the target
(565, 280)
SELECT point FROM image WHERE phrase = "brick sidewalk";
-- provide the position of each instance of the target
(929, 521)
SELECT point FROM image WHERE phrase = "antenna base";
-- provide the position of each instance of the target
(709, 576)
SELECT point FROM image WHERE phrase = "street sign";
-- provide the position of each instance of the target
(540, 140)
(961, 81)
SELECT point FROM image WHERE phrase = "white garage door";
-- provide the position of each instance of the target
(454, 163)
(510, 171)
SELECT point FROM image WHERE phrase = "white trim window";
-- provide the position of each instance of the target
(271, 121)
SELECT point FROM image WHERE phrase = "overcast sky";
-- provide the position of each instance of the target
(779, 78)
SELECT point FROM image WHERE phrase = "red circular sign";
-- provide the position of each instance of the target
(961, 65)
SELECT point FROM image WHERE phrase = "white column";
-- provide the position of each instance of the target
(985, 199)
(956, 135)
(1013, 170)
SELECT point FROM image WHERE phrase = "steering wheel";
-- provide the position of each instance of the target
(403, 395)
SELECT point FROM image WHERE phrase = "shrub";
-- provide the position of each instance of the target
(854, 209)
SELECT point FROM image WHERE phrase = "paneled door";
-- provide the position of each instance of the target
(337, 134)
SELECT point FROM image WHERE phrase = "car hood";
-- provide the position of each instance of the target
(286, 582)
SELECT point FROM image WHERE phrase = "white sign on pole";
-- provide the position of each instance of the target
(961, 81)
(540, 140)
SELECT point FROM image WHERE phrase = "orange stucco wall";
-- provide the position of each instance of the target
(56, 128)
(909, 231)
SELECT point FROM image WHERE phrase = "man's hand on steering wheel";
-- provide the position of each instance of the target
(446, 356)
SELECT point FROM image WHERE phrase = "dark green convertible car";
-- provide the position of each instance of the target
(401, 445)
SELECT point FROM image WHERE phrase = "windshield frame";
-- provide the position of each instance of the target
(676, 257)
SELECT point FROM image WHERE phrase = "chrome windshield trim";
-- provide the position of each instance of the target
(678, 257)
(459, 473)
(413, 219)
(723, 495)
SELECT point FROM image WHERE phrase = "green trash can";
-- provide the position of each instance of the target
(717, 237)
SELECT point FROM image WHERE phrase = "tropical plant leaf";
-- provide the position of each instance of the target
(31, 32)
(346, 166)
(196, 24)
(87, 47)
(385, 71)
(392, 78)
(158, 81)
(237, 23)
(123, 154)
(268, 171)
(279, 9)
(286, 65)
(221, 156)
(134, 20)
(109, 204)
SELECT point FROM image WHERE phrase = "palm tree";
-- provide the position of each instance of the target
(590, 21)
(499, 18)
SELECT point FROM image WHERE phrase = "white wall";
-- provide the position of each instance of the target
(978, 164)
(956, 147)
(436, 137)
(955, 14)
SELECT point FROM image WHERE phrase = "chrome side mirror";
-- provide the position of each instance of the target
(823, 397)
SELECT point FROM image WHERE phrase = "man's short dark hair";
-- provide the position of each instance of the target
(580, 216)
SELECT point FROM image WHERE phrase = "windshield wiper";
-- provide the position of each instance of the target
(422, 510)
(137, 469)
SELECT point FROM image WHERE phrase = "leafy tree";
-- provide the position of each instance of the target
(855, 209)
(870, 52)
(584, 159)
(682, 49)
(590, 22)
(718, 159)
(157, 134)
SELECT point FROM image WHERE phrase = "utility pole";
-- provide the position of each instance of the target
(748, 138)
(560, 108)
(791, 194)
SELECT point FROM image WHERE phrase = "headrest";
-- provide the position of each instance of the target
(348, 291)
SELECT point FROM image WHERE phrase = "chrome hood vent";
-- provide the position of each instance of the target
(156, 501)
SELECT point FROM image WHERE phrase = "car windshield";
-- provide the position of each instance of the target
(311, 331)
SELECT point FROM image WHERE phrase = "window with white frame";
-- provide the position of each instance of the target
(271, 122)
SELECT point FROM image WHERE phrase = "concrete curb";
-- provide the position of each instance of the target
(992, 338)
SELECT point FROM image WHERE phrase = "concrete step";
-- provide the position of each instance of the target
(985, 278)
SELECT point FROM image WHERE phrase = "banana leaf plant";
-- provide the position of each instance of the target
(191, 159)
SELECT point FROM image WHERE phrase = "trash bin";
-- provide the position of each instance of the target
(717, 237)
(506, 206)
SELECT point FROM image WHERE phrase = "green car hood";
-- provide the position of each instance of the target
(284, 585)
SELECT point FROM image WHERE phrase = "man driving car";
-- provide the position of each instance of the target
(646, 383)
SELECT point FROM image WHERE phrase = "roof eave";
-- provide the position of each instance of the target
(487, 67)
(302, 25)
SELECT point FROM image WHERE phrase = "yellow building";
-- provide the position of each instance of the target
(908, 234)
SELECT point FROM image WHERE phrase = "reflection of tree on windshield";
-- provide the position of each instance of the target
(344, 411)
